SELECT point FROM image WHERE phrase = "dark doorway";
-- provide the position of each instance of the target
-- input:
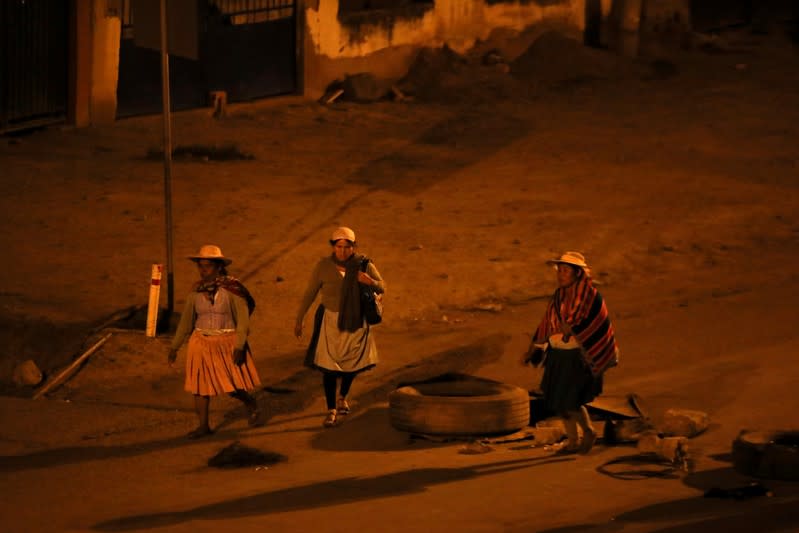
(33, 63)
(247, 49)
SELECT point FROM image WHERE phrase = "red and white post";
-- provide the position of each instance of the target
(155, 296)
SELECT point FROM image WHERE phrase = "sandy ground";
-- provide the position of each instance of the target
(676, 178)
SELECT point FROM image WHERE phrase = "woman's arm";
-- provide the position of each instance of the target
(241, 317)
(186, 324)
(311, 290)
(378, 284)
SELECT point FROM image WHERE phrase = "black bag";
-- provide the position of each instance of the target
(371, 302)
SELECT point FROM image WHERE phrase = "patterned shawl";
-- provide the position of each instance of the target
(228, 283)
(582, 308)
(350, 316)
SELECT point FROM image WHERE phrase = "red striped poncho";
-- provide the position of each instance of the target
(582, 308)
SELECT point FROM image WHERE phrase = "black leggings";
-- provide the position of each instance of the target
(329, 380)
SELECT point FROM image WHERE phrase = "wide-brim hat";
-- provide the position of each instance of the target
(570, 258)
(212, 253)
(342, 232)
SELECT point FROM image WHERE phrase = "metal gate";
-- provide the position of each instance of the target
(247, 48)
(33, 63)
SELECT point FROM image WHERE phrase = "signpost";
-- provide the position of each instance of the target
(170, 285)
(171, 26)
(152, 305)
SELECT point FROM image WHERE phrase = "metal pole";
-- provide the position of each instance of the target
(170, 290)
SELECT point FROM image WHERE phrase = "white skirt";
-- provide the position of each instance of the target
(344, 351)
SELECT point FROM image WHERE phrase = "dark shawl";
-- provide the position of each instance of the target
(350, 316)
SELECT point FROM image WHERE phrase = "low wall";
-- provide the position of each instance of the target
(384, 42)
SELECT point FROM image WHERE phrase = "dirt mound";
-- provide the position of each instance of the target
(432, 70)
(489, 73)
(442, 75)
(555, 59)
(238, 455)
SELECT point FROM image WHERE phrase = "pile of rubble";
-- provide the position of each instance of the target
(441, 75)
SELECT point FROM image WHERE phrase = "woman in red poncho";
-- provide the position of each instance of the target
(576, 343)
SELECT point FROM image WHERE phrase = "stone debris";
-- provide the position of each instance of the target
(626, 430)
(683, 423)
(237, 455)
(362, 87)
(475, 448)
(672, 449)
(27, 373)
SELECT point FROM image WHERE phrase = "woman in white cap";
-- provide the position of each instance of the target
(576, 343)
(216, 319)
(342, 344)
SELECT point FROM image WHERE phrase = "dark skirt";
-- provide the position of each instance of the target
(567, 382)
(310, 353)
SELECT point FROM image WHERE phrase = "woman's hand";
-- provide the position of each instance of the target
(537, 357)
(534, 356)
(239, 356)
(365, 278)
(171, 357)
(298, 330)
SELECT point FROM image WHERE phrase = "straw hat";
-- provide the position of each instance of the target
(570, 258)
(211, 252)
(342, 233)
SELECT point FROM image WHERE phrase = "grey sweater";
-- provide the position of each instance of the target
(327, 279)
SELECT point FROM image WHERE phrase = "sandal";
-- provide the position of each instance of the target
(330, 420)
(589, 438)
(199, 432)
(342, 407)
(567, 449)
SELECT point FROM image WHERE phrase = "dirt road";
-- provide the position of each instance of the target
(680, 188)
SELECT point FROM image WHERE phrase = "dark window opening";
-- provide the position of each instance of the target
(381, 12)
(352, 6)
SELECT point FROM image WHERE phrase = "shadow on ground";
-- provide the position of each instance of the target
(291, 396)
(447, 146)
(779, 513)
(322, 494)
(79, 454)
(370, 430)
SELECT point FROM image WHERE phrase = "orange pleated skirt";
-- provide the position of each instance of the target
(210, 369)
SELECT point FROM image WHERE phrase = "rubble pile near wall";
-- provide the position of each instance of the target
(552, 61)
(442, 75)
(492, 71)
(433, 70)
(555, 59)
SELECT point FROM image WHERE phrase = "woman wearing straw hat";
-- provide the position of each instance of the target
(576, 343)
(216, 320)
(342, 344)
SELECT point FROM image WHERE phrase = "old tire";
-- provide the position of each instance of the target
(468, 407)
(767, 454)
